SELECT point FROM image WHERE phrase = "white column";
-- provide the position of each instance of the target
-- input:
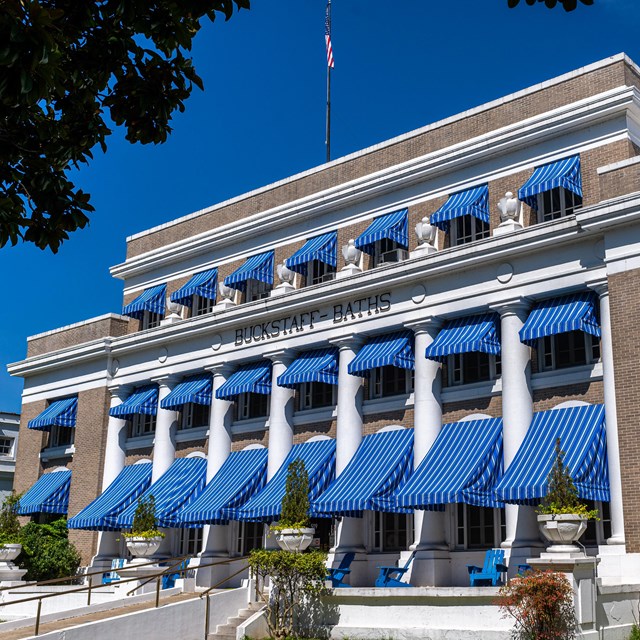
(517, 412)
(611, 416)
(350, 531)
(164, 445)
(429, 526)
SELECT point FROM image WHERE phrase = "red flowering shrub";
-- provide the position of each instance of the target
(541, 602)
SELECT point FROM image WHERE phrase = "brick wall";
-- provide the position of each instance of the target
(375, 422)
(620, 181)
(591, 392)
(454, 411)
(241, 440)
(30, 443)
(183, 449)
(145, 453)
(303, 432)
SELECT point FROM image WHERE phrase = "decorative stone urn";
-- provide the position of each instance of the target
(174, 312)
(296, 540)
(510, 210)
(143, 548)
(287, 277)
(227, 295)
(351, 255)
(426, 234)
(8, 570)
(562, 530)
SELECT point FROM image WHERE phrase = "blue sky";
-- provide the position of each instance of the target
(261, 118)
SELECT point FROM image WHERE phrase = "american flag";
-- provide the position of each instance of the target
(327, 35)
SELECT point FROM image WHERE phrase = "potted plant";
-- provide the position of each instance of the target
(10, 545)
(144, 538)
(562, 518)
(293, 531)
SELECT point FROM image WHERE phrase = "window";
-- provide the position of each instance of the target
(570, 349)
(6, 446)
(479, 527)
(150, 320)
(470, 367)
(392, 531)
(252, 405)
(390, 381)
(318, 272)
(201, 305)
(256, 290)
(250, 537)
(60, 437)
(314, 395)
(190, 542)
(465, 229)
(386, 251)
(598, 531)
(142, 424)
(557, 203)
(194, 415)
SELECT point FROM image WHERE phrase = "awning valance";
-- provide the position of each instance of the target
(250, 378)
(152, 300)
(321, 248)
(575, 312)
(50, 494)
(395, 349)
(142, 400)
(463, 465)
(60, 413)
(471, 202)
(561, 173)
(203, 284)
(312, 366)
(393, 226)
(102, 513)
(463, 335)
(582, 436)
(259, 267)
(380, 465)
(194, 389)
(242, 475)
(173, 490)
(319, 458)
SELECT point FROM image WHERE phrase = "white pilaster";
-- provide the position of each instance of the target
(164, 446)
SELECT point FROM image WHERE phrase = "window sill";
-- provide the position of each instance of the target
(568, 376)
(195, 433)
(250, 425)
(463, 392)
(55, 453)
(390, 403)
(323, 414)
(139, 442)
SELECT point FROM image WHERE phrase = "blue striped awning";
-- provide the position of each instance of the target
(319, 459)
(582, 436)
(250, 378)
(50, 494)
(195, 389)
(203, 284)
(152, 299)
(142, 400)
(321, 248)
(60, 413)
(103, 512)
(575, 312)
(561, 173)
(381, 464)
(463, 465)
(242, 475)
(471, 202)
(463, 335)
(258, 267)
(174, 489)
(312, 366)
(394, 349)
(393, 226)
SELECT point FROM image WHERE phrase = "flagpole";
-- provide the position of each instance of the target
(328, 126)
(327, 36)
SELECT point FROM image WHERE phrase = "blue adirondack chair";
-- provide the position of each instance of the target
(169, 579)
(491, 572)
(112, 576)
(390, 576)
(523, 568)
(337, 574)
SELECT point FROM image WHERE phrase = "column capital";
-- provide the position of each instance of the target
(168, 380)
(348, 341)
(120, 391)
(220, 369)
(284, 356)
(516, 305)
(425, 325)
(600, 286)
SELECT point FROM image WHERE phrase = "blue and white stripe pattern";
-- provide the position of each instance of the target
(381, 464)
(250, 378)
(394, 226)
(575, 312)
(242, 475)
(582, 436)
(463, 335)
(321, 248)
(394, 349)
(50, 494)
(312, 366)
(203, 284)
(103, 512)
(152, 299)
(319, 459)
(142, 400)
(60, 413)
(471, 202)
(174, 489)
(259, 267)
(464, 464)
(561, 173)
(194, 389)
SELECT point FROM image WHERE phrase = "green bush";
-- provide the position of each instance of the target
(47, 552)
(635, 633)
(9, 523)
(144, 520)
(295, 502)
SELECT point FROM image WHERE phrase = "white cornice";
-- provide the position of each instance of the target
(518, 135)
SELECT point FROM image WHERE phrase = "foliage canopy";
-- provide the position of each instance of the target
(295, 503)
(9, 522)
(144, 520)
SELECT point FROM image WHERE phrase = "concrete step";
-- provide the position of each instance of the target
(226, 629)
(220, 636)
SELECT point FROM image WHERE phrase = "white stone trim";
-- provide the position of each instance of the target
(54, 453)
(190, 435)
(75, 325)
(618, 165)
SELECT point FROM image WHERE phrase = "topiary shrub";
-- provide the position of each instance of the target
(295, 502)
(144, 520)
(9, 522)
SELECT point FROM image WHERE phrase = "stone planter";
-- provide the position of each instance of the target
(562, 531)
(295, 539)
(8, 571)
(142, 548)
